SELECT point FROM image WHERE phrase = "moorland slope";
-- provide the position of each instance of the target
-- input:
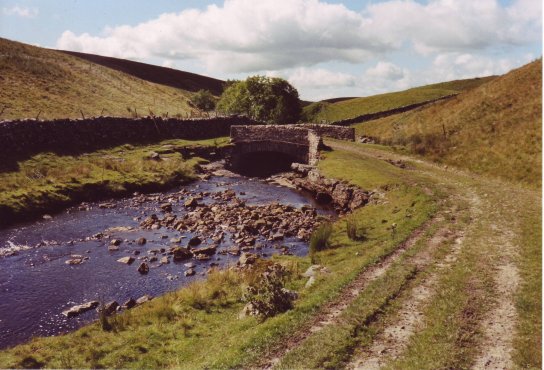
(337, 109)
(51, 84)
(492, 129)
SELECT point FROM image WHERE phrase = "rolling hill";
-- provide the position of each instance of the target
(52, 84)
(336, 109)
(493, 129)
(160, 75)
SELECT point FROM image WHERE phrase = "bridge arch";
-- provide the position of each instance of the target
(272, 148)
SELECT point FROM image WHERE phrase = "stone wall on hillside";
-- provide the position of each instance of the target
(332, 131)
(387, 113)
(22, 138)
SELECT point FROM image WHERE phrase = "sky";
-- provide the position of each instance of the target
(324, 48)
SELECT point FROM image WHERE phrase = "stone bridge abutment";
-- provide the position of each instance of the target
(272, 148)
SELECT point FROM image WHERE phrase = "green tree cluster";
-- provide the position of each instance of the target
(203, 100)
(267, 99)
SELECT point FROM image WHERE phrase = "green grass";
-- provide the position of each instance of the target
(494, 129)
(350, 108)
(59, 85)
(528, 346)
(198, 326)
(50, 181)
(452, 329)
(173, 331)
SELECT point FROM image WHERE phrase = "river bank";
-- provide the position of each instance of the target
(48, 183)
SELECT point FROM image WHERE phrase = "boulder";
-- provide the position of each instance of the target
(190, 202)
(143, 268)
(79, 309)
(143, 299)
(141, 241)
(126, 260)
(190, 272)
(74, 261)
(247, 259)
(358, 199)
(129, 304)
(116, 242)
(341, 195)
(109, 308)
(165, 260)
(194, 241)
(205, 250)
(113, 248)
(166, 207)
(181, 254)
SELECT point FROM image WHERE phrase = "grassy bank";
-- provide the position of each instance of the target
(494, 129)
(198, 326)
(48, 182)
(51, 84)
(500, 235)
(353, 107)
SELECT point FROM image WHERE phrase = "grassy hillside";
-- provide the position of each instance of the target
(493, 129)
(34, 80)
(161, 75)
(342, 108)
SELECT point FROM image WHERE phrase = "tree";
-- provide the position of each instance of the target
(203, 100)
(268, 99)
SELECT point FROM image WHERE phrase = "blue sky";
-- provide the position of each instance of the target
(325, 48)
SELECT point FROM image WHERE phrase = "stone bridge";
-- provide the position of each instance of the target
(275, 147)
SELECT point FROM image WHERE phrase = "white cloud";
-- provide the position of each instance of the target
(453, 66)
(318, 78)
(385, 71)
(21, 11)
(248, 36)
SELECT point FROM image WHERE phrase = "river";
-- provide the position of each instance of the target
(36, 283)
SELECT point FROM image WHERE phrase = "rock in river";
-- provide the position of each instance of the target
(181, 254)
(126, 260)
(143, 268)
(79, 309)
(194, 241)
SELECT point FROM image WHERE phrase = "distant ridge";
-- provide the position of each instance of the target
(160, 75)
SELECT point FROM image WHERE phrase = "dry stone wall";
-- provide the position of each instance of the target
(335, 132)
(387, 113)
(26, 137)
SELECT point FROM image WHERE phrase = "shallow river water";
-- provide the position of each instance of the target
(36, 284)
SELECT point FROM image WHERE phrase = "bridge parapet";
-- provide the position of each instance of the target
(285, 133)
(302, 144)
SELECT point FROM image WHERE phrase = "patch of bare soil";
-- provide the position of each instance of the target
(500, 323)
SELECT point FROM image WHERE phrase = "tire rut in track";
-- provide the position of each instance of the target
(393, 340)
(330, 311)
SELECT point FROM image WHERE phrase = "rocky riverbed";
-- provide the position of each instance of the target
(131, 249)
